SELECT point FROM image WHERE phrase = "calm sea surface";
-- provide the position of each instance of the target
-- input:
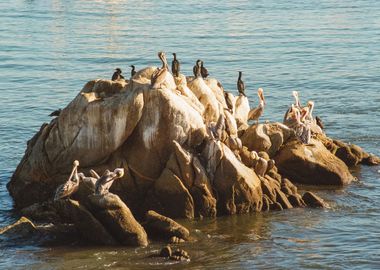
(329, 50)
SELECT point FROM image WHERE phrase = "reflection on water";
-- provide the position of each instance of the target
(326, 49)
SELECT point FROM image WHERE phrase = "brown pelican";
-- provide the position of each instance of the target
(240, 85)
(256, 113)
(89, 181)
(71, 185)
(220, 126)
(175, 65)
(261, 164)
(303, 130)
(133, 71)
(104, 183)
(56, 113)
(117, 75)
(297, 100)
(158, 77)
(204, 71)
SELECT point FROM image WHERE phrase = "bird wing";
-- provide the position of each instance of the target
(255, 113)
(65, 190)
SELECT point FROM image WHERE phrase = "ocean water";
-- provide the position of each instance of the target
(328, 50)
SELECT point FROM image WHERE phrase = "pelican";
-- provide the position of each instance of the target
(71, 186)
(158, 77)
(104, 183)
(301, 129)
(297, 100)
(256, 113)
(220, 126)
(289, 116)
(261, 164)
(175, 65)
(117, 75)
(89, 181)
(240, 85)
(133, 71)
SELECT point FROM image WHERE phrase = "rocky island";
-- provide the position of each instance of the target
(188, 149)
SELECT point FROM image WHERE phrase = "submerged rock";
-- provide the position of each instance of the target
(22, 228)
(313, 200)
(160, 226)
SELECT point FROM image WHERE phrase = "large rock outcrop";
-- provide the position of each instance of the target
(311, 164)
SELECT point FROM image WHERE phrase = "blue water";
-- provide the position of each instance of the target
(329, 50)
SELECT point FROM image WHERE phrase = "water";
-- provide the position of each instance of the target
(327, 49)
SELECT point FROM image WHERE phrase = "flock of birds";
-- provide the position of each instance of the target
(297, 117)
(99, 185)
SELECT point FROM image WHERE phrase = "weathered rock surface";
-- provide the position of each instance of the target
(313, 200)
(266, 137)
(21, 228)
(160, 226)
(119, 221)
(311, 164)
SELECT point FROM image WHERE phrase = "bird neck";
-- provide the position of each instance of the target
(239, 76)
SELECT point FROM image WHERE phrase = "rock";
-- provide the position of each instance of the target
(311, 164)
(288, 187)
(176, 240)
(283, 200)
(345, 154)
(119, 221)
(43, 212)
(276, 207)
(237, 186)
(313, 200)
(266, 137)
(166, 251)
(204, 202)
(22, 228)
(371, 160)
(266, 203)
(175, 199)
(180, 255)
(86, 224)
(296, 200)
(141, 125)
(160, 226)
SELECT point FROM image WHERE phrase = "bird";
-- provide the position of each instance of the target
(220, 126)
(70, 186)
(240, 85)
(158, 77)
(302, 127)
(256, 113)
(204, 71)
(89, 181)
(195, 68)
(104, 183)
(175, 66)
(117, 75)
(133, 71)
(229, 102)
(297, 100)
(261, 165)
(319, 122)
(56, 113)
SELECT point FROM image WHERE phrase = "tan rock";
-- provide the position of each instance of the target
(118, 219)
(160, 226)
(266, 137)
(313, 200)
(311, 164)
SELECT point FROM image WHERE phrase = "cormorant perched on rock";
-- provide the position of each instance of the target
(133, 71)
(204, 71)
(195, 68)
(229, 102)
(240, 85)
(71, 185)
(175, 66)
(319, 122)
(117, 75)
(56, 113)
